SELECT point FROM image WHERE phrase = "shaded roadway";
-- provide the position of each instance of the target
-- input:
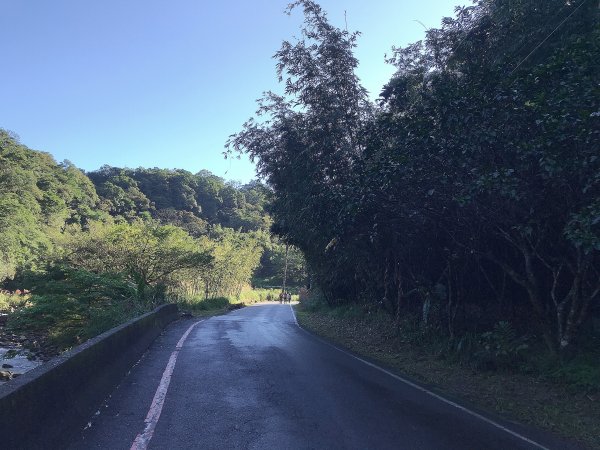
(253, 379)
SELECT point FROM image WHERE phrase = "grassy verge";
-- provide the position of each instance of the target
(258, 295)
(530, 399)
(12, 301)
(210, 307)
(221, 305)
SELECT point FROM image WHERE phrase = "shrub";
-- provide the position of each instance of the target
(259, 295)
(209, 304)
(312, 300)
(73, 305)
(500, 348)
(10, 301)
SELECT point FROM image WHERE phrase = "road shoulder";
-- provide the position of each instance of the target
(514, 399)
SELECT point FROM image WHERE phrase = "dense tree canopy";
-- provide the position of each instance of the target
(179, 197)
(38, 197)
(471, 192)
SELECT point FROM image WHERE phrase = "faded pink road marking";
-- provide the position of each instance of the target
(142, 439)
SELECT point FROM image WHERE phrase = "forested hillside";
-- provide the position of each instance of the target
(194, 202)
(466, 200)
(38, 199)
(97, 248)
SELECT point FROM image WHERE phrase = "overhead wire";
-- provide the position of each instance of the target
(547, 37)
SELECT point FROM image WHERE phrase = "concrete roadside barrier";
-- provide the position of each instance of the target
(44, 407)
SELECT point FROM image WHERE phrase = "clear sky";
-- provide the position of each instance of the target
(157, 83)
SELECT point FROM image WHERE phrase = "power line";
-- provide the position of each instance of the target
(547, 37)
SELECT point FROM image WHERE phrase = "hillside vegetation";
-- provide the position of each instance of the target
(463, 205)
(90, 250)
(465, 202)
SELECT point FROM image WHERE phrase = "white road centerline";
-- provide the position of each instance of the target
(426, 391)
(142, 440)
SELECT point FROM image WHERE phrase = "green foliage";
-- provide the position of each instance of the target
(123, 197)
(22, 240)
(149, 255)
(209, 304)
(259, 295)
(10, 301)
(312, 300)
(234, 257)
(38, 197)
(72, 305)
(273, 263)
(516, 204)
(98, 249)
(192, 224)
(501, 348)
(469, 195)
(581, 374)
(178, 197)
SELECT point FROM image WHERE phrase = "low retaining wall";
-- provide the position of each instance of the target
(43, 408)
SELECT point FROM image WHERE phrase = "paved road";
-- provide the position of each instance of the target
(253, 379)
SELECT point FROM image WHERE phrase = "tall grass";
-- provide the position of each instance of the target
(261, 295)
(202, 306)
(211, 306)
(10, 302)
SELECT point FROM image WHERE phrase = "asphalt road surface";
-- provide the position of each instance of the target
(252, 379)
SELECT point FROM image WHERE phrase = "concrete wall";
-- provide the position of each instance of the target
(44, 407)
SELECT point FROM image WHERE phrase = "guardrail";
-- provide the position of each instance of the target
(44, 407)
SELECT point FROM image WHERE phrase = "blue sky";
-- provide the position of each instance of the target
(159, 83)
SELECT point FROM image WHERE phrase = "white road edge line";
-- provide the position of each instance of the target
(143, 439)
(426, 391)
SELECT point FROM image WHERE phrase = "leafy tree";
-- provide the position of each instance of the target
(473, 186)
(38, 198)
(149, 255)
(309, 139)
(72, 305)
(510, 197)
(273, 263)
(234, 258)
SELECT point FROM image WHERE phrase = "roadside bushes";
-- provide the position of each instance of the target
(232, 259)
(498, 349)
(148, 255)
(254, 295)
(72, 305)
(209, 304)
(102, 277)
(9, 301)
(312, 300)
(582, 373)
